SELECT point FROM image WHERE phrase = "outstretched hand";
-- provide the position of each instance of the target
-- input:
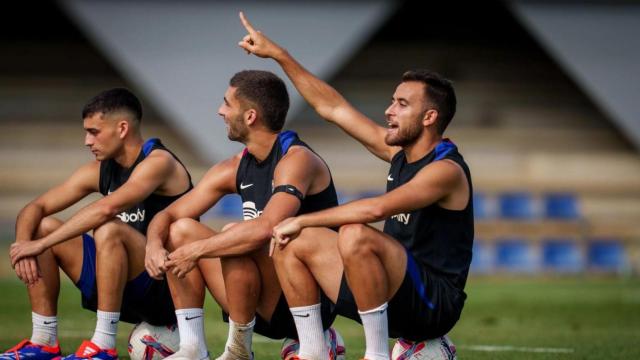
(182, 260)
(284, 232)
(25, 249)
(27, 270)
(154, 262)
(256, 43)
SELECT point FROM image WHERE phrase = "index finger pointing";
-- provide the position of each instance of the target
(247, 25)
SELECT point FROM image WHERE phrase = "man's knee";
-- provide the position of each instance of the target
(180, 232)
(108, 234)
(352, 241)
(47, 226)
(297, 250)
(282, 255)
(239, 269)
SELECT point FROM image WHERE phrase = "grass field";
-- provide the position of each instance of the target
(513, 318)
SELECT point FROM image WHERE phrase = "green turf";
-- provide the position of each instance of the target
(595, 318)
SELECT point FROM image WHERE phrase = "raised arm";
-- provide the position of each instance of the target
(325, 100)
(217, 182)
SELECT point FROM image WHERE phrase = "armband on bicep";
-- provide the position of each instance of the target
(289, 189)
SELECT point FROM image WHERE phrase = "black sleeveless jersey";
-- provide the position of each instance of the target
(112, 176)
(254, 180)
(438, 238)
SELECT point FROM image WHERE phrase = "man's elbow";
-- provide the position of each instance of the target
(107, 212)
(377, 212)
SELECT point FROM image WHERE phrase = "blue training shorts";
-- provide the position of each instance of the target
(144, 298)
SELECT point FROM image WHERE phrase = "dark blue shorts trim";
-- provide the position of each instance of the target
(87, 281)
(425, 306)
(416, 279)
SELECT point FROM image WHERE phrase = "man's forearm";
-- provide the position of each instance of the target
(83, 221)
(240, 239)
(320, 95)
(158, 230)
(28, 221)
(357, 212)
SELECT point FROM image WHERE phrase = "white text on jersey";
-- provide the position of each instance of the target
(137, 216)
(402, 217)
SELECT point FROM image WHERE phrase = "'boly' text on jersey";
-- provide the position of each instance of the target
(133, 217)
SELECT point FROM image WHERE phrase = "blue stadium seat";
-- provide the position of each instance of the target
(606, 255)
(230, 206)
(483, 261)
(480, 210)
(561, 206)
(562, 255)
(516, 206)
(516, 255)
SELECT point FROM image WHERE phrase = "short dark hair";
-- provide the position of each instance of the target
(439, 91)
(266, 91)
(113, 100)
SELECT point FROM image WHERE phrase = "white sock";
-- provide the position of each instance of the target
(106, 330)
(239, 339)
(308, 321)
(376, 333)
(45, 329)
(191, 327)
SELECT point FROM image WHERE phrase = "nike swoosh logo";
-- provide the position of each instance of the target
(114, 321)
(389, 178)
(242, 187)
(191, 318)
(50, 322)
(305, 315)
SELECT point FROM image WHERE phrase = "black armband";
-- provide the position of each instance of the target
(289, 189)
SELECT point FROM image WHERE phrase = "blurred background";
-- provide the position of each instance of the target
(548, 115)
(542, 90)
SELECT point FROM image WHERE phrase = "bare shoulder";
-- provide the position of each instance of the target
(303, 168)
(161, 156)
(444, 170)
(222, 175)
(88, 173)
(302, 156)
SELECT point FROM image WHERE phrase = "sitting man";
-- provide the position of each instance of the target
(277, 176)
(408, 280)
(137, 179)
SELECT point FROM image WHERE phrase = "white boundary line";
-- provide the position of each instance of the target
(503, 348)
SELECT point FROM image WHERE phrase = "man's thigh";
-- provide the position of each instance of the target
(391, 254)
(133, 240)
(426, 305)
